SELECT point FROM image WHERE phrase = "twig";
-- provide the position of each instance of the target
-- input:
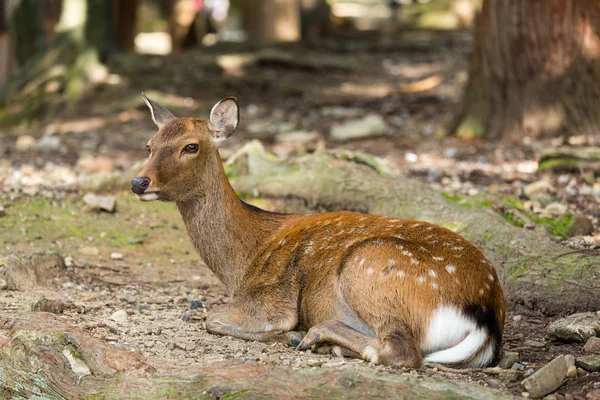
(522, 348)
(579, 251)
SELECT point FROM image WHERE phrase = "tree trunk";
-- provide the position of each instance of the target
(269, 21)
(535, 71)
(537, 273)
(125, 17)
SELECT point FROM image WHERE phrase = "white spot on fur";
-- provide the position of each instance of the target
(361, 262)
(282, 242)
(429, 228)
(457, 248)
(371, 354)
(415, 225)
(370, 271)
(420, 279)
(450, 268)
(481, 291)
(391, 262)
(491, 277)
(487, 286)
(453, 337)
(439, 259)
(432, 273)
(400, 274)
(414, 261)
(434, 285)
(407, 253)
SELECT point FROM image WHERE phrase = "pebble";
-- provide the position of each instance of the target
(25, 142)
(509, 359)
(546, 379)
(572, 371)
(185, 316)
(96, 202)
(265, 358)
(581, 226)
(537, 189)
(116, 256)
(120, 316)
(570, 359)
(3, 284)
(556, 209)
(194, 304)
(517, 367)
(517, 318)
(589, 363)
(49, 142)
(534, 343)
(575, 328)
(149, 344)
(89, 251)
(494, 383)
(314, 363)
(592, 345)
(368, 126)
(510, 375)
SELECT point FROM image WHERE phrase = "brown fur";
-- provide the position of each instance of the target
(356, 280)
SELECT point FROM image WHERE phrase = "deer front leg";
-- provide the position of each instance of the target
(251, 322)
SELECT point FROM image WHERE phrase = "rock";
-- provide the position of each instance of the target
(341, 112)
(534, 343)
(570, 359)
(2, 211)
(572, 371)
(369, 126)
(555, 209)
(517, 318)
(120, 316)
(575, 328)
(96, 202)
(26, 273)
(185, 316)
(25, 142)
(509, 359)
(194, 304)
(546, 379)
(494, 383)
(89, 251)
(589, 363)
(49, 143)
(592, 345)
(538, 189)
(582, 226)
(593, 395)
(510, 375)
(116, 256)
(51, 305)
(518, 366)
(586, 190)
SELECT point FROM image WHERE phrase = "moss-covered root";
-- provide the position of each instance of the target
(42, 357)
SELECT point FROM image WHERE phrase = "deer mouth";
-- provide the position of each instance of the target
(149, 196)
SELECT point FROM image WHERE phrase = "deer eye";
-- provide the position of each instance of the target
(148, 148)
(191, 148)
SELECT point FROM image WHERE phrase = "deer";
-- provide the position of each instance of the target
(387, 290)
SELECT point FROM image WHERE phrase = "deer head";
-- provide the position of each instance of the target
(183, 161)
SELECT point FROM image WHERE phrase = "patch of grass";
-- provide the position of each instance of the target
(457, 199)
(513, 219)
(515, 271)
(513, 202)
(483, 203)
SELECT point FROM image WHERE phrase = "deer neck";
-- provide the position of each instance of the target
(225, 231)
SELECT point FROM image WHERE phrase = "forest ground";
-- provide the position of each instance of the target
(290, 104)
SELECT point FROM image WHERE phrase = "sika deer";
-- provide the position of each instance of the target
(388, 290)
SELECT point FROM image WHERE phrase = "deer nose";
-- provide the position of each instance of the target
(139, 185)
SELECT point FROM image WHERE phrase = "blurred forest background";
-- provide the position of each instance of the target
(482, 116)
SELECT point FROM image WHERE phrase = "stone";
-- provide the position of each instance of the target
(194, 304)
(49, 143)
(40, 269)
(3, 284)
(97, 202)
(570, 359)
(575, 328)
(341, 112)
(510, 375)
(494, 383)
(582, 226)
(517, 318)
(116, 256)
(592, 345)
(509, 359)
(555, 209)
(593, 395)
(2, 211)
(572, 371)
(120, 316)
(534, 343)
(518, 366)
(589, 363)
(25, 142)
(370, 125)
(546, 379)
(89, 251)
(538, 189)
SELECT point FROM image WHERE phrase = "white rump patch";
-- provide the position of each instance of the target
(452, 338)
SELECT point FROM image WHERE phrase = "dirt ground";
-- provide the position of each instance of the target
(156, 278)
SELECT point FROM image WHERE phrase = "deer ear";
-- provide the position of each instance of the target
(160, 115)
(224, 118)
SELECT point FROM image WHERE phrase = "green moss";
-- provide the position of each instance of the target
(515, 271)
(513, 219)
(483, 203)
(557, 162)
(513, 202)
(559, 227)
(457, 199)
(236, 394)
